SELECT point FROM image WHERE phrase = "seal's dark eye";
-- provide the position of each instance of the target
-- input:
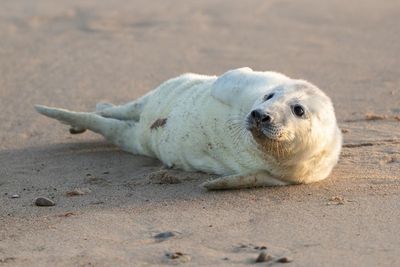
(268, 97)
(298, 110)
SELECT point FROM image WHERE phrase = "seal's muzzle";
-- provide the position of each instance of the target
(261, 124)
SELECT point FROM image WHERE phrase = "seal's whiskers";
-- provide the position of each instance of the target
(238, 132)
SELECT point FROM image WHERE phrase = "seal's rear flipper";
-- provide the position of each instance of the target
(102, 106)
(110, 128)
(99, 107)
(129, 111)
(243, 181)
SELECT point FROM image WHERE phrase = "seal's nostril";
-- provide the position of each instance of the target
(260, 116)
(266, 118)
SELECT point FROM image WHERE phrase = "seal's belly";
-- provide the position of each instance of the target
(185, 127)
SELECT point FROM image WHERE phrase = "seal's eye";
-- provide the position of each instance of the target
(298, 110)
(268, 97)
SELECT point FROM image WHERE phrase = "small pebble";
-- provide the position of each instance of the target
(97, 202)
(8, 259)
(174, 255)
(15, 196)
(388, 159)
(78, 192)
(336, 200)
(68, 214)
(284, 260)
(163, 177)
(373, 117)
(178, 256)
(44, 202)
(164, 235)
(263, 257)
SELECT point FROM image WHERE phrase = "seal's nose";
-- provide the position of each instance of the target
(261, 116)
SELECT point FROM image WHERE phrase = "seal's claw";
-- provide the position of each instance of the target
(76, 130)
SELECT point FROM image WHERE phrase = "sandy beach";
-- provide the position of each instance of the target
(117, 209)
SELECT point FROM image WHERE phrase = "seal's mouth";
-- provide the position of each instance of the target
(271, 138)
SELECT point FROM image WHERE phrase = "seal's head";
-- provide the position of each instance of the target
(295, 123)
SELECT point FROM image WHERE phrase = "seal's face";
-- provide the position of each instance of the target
(291, 118)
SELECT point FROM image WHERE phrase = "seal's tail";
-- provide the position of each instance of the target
(108, 127)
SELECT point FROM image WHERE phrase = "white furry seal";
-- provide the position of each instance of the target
(253, 128)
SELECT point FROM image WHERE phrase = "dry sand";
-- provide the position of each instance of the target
(74, 54)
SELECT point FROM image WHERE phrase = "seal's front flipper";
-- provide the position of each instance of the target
(111, 129)
(243, 181)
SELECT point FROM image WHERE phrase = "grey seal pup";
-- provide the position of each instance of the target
(252, 128)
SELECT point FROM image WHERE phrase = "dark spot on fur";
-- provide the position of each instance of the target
(158, 123)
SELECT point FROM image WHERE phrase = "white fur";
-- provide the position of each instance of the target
(196, 123)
